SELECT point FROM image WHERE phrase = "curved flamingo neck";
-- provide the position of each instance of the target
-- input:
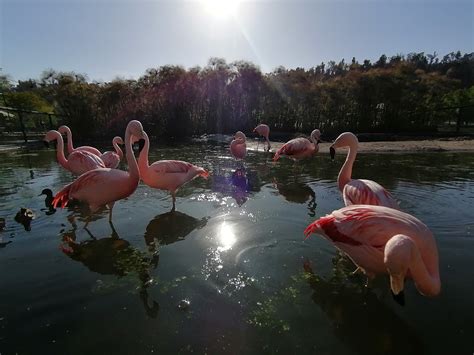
(117, 149)
(345, 175)
(131, 161)
(70, 146)
(426, 281)
(143, 157)
(60, 150)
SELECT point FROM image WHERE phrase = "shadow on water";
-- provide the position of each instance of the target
(297, 192)
(170, 227)
(359, 318)
(114, 256)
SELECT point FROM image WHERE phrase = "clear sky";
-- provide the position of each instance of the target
(109, 38)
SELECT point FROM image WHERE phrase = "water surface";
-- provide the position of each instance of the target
(234, 249)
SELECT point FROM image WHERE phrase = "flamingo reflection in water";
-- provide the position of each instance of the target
(238, 184)
(113, 256)
(353, 309)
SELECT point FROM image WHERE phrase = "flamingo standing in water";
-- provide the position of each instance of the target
(167, 175)
(264, 131)
(79, 161)
(105, 186)
(355, 192)
(300, 148)
(112, 158)
(382, 240)
(238, 147)
(70, 147)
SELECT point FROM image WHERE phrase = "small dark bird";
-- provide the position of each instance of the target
(24, 217)
(48, 201)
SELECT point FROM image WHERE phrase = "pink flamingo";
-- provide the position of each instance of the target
(112, 159)
(79, 161)
(70, 147)
(300, 148)
(238, 147)
(167, 175)
(358, 192)
(382, 240)
(105, 186)
(264, 131)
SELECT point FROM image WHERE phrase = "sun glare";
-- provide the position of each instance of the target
(226, 237)
(221, 9)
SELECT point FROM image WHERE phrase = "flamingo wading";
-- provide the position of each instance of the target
(361, 191)
(79, 161)
(381, 240)
(70, 147)
(300, 148)
(167, 175)
(264, 131)
(238, 147)
(112, 158)
(105, 186)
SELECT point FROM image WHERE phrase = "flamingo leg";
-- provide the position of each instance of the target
(114, 232)
(356, 270)
(111, 206)
(173, 194)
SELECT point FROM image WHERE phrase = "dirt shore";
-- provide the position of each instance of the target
(450, 145)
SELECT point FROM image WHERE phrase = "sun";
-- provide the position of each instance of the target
(221, 9)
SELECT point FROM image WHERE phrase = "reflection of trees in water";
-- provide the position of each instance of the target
(114, 256)
(359, 318)
(170, 227)
(297, 192)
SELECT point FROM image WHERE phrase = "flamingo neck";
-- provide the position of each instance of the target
(70, 146)
(60, 150)
(346, 170)
(426, 281)
(143, 157)
(117, 149)
(131, 161)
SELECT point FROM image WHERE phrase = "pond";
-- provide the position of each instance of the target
(229, 271)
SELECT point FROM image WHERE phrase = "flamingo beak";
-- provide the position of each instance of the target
(332, 152)
(46, 144)
(396, 285)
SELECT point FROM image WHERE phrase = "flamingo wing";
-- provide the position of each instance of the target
(110, 159)
(295, 146)
(80, 161)
(171, 167)
(367, 192)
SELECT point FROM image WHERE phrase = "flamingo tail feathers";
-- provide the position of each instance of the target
(62, 198)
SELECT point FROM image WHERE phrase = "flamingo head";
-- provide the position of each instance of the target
(51, 136)
(136, 129)
(398, 256)
(316, 135)
(345, 139)
(240, 135)
(64, 129)
(118, 140)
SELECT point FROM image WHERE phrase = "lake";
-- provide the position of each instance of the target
(229, 271)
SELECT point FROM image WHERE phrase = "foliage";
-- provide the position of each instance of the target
(397, 94)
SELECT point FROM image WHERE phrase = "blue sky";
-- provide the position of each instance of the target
(107, 38)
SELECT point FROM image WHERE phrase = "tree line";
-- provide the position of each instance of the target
(412, 93)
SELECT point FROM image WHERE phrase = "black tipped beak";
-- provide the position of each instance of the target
(400, 298)
(46, 144)
(332, 152)
(141, 144)
(40, 194)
